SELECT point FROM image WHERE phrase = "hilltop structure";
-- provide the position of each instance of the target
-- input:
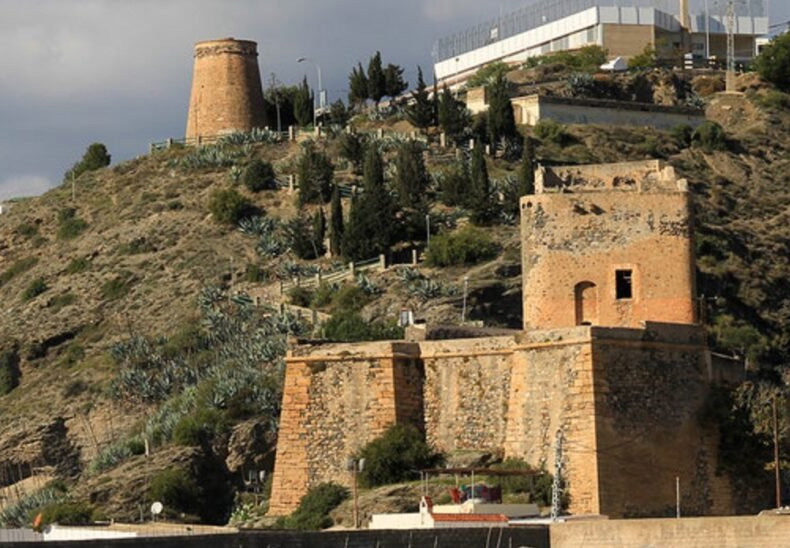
(226, 89)
(622, 27)
(611, 360)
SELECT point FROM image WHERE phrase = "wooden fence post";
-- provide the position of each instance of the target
(443, 140)
(414, 256)
(291, 133)
(291, 184)
(352, 269)
(382, 262)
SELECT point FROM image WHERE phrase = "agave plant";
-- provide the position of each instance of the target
(408, 274)
(18, 513)
(367, 285)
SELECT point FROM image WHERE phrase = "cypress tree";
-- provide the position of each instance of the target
(526, 171)
(453, 116)
(319, 231)
(480, 191)
(369, 230)
(303, 104)
(411, 177)
(455, 186)
(358, 87)
(395, 85)
(336, 226)
(315, 173)
(501, 121)
(421, 112)
(377, 80)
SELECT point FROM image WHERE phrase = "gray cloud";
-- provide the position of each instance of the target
(118, 71)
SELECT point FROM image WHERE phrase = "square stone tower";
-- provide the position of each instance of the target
(607, 245)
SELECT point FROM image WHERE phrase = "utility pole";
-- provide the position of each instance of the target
(731, 47)
(777, 471)
(556, 488)
(466, 290)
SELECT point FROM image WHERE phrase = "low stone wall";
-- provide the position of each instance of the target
(532, 109)
(725, 532)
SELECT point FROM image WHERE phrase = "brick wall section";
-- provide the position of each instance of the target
(226, 89)
(583, 225)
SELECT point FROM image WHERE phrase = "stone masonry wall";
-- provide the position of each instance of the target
(648, 431)
(337, 398)
(552, 389)
(226, 89)
(573, 243)
(467, 386)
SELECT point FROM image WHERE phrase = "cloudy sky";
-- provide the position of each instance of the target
(118, 71)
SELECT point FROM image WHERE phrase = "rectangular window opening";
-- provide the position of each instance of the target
(624, 284)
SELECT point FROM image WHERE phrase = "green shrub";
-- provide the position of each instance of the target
(314, 508)
(9, 371)
(74, 388)
(78, 265)
(258, 176)
(773, 63)
(67, 513)
(28, 230)
(350, 297)
(177, 490)
(300, 296)
(488, 74)
(349, 326)
(322, 296)
(645, 60)
(396, 456)
(199, 428)
(95, 157)
(709, 136)
(228, 206)
(773, 100)
(537, 485)
(255, 273)
(682, 135)
(36, 288)
(20, 266)
(69, 224)
(116, 288)
(60, 301)
(468, 245)
(551, 131)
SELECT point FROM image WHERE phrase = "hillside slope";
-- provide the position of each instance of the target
(148, 246)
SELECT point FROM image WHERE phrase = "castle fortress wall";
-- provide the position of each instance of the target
(226, 89)
(623, 378)
(626, 401)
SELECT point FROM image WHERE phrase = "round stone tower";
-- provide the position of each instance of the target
(226, 88)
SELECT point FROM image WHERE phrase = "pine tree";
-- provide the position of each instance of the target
(377, 80)
(421, 112)
(336, 226)
(480, 188)
(95, 157)
(453, 116)
(303, 104)
(315, 173)
(501, 121)
(395, 85)
(358, 87)
(338, 114)
(411, 177)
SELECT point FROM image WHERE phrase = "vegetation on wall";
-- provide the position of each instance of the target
(397, 455)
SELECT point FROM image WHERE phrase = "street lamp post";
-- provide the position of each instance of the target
(355, 466)
(321, 93)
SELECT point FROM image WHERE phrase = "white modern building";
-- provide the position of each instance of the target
(622, 27)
